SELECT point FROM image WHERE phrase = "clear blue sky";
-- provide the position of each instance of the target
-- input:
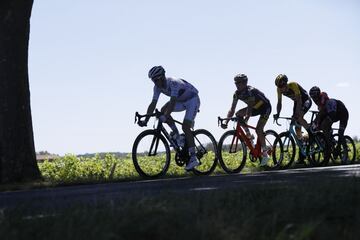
(88, 61)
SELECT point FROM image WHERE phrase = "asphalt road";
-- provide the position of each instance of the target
(65, 196)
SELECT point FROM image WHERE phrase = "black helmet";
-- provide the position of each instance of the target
(241, 78)
(315, 92)
(281, 80)
(156, 72)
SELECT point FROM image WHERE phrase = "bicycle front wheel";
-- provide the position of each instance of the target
(151, 154)
(206, 152)
(317, 150)
(289, 150)
(232, 152)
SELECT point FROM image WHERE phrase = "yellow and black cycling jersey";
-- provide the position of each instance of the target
(252, 97)
(293, 90)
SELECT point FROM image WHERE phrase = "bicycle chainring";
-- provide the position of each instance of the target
(252, 158)
(182, 157)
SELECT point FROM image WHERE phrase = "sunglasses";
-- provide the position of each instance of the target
(157, 79)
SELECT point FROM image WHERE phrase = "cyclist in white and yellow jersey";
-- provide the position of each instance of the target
(183, 97)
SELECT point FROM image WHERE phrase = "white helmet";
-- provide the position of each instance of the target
(156, 72)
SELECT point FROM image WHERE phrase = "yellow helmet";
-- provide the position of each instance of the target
(281, 80)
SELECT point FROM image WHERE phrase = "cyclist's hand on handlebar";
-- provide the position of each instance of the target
(224, 126)
(276, 116)
(142, 123)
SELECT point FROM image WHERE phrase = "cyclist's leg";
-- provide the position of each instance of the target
(264, 116)
(192, 107)
(304, 109)
(297, 128)
(325, 126)
(343, 116)
(170, 120)
(240, 115)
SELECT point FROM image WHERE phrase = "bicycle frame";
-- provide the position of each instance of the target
(255, 151)
(299, 143)
(160, 129)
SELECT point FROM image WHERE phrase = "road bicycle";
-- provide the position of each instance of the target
(342, 153)
(314, 147)
(234, 144)
(151, 150)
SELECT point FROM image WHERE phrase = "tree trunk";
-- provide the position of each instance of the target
(17, 151)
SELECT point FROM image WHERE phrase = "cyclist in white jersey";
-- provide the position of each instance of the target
(183, 96)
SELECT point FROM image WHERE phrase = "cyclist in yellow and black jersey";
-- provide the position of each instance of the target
(257, 104)
(295, 92)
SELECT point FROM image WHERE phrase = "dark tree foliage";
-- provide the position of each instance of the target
(17, 151)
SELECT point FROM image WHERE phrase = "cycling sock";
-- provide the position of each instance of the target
(192, 151)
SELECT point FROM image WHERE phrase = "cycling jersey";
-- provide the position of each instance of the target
(294, 90)
(335, 110)
(321, 100)
(252, 97)
(176, 87)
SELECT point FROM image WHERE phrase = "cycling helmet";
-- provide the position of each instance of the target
(281, 80)
(315, 92)
(156, 72)
(241, 78)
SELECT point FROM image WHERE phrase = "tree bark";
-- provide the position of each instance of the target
(17, 150)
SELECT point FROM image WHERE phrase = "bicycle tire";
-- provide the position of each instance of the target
(274, 148)
(352, 148)
(206, 152)
(317, 150)
(231, 162)
(289, 150)
(146, 167)
(336, 158)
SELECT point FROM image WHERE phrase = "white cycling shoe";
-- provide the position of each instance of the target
(264, 159)
(192, 163)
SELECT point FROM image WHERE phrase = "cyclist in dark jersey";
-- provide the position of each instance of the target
(330, 111)
(257, 104)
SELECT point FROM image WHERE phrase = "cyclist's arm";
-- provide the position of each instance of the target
(298, 101)
(233, 107)
(152, 105)
(278, 106)
(151, 108)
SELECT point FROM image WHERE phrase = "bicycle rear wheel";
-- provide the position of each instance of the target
(343, 153)
(289, 150)
(151, 154)
(206, 152)
(318, 150)
(274, 148)
(232, 152)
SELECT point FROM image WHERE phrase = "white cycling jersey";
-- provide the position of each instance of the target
(176, 87)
